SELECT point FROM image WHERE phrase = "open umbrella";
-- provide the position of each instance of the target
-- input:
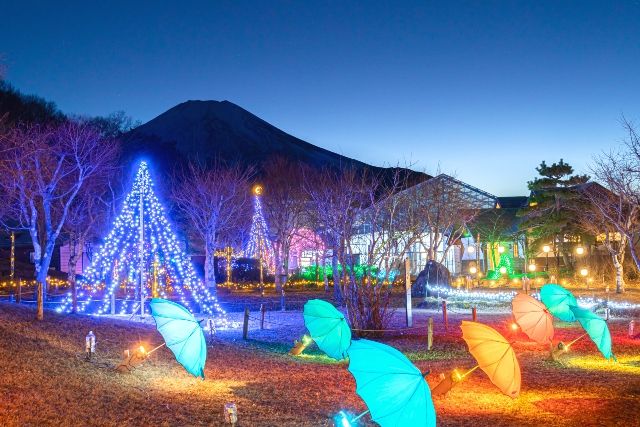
(533, 318)
(392, 387)
(596, 328)
(495, 356)
(559, 301)
(328, 328)
(182, 334)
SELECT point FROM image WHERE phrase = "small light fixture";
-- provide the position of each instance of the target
(473, 270)
(532, 267)
(258, 189)
(546, 249)
(514, 326)
(230, 413)
(471, 249)
(579, 250)
(584, 272)
(503, 270)
(500, 249)
(90, 345)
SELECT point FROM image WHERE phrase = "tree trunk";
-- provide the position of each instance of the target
(42, 268)
(325, 278)
(278, 261)
(619, 273)
(76, 247)
(336, 277)
(210, 270)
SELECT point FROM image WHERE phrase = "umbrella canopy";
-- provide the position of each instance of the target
(596, 328)
(533, 318)
(559, 301)
(495, 356)
(182, 334)
(328, 328)
(394, 390)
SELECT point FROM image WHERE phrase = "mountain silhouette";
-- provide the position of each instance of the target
(221, 130)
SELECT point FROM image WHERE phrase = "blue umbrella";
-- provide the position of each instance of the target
(328, 328)
(558, 301)
(597, 329)
(394, 390)
(182, 334)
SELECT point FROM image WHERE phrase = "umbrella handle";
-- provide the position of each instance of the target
(359, 416)
(576, 340)
(469, 372)
(161, 345)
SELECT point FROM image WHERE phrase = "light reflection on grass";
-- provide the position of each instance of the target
(625, 364)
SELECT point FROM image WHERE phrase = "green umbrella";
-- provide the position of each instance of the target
(559, 301)
(182, 334)
(328, 328)
(394, 390)
(597, 329)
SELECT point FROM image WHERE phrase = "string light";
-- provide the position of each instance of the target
(122, 256)
(259, 246)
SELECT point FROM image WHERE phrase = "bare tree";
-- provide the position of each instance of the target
(93, 206)
(337, 201)
(617, 211)
(285, 205)
(445, 211)
(599, 218)
(215, 200)
(43, 172)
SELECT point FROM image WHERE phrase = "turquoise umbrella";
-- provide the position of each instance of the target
(394, 390)
(597, 329)
(559, 301)
(182, 334)
(328, 328)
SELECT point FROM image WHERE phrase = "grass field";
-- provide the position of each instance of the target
(44, 379)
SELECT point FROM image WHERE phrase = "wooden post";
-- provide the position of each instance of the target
(407, 285)
(262, 312)
(19, 292)
(245, 325)
(474, 314)
(445, 318)
(430, 334)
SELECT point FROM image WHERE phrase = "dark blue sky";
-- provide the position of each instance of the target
(484, 89)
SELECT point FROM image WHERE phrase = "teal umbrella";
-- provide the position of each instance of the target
(597, 329)
(394, 390)
(328, 328)
(558, 301)
(182, 334)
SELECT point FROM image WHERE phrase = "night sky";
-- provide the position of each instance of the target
(484, 89)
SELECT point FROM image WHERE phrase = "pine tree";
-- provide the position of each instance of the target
(141, 257)
(549, 216)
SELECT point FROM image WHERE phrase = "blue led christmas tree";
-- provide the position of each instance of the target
(142, 258)
(259, 246)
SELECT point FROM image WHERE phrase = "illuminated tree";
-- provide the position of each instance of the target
(141, 257)
(259, 245)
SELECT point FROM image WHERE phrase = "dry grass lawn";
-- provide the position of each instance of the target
(44, 379)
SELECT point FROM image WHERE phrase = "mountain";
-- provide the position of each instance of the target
(207, 130)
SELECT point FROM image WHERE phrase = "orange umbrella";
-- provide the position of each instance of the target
(533, 318)
(495, 356)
